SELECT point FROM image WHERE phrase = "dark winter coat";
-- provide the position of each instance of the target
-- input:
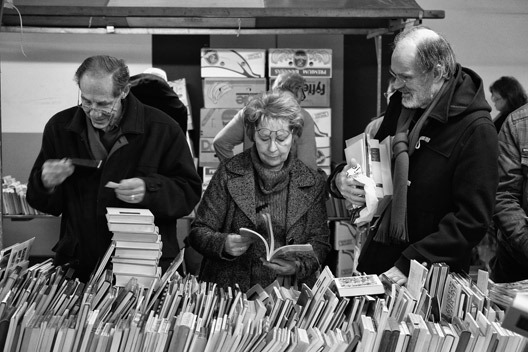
(229, 204)
(155, 91)
(511, 210)
(452, 181)
(152, 147)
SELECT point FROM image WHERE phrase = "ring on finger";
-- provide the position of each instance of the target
(133, 197)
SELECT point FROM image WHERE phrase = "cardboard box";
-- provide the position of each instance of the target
(207, 174)
(323, 151)
(307, 62)
(316, 91)
(322, 121)
(211, 122)
(346, 263)
(242, 63)
(231, 93)
(345, 236)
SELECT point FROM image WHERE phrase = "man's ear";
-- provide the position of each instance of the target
(439, 73)
(125, 91)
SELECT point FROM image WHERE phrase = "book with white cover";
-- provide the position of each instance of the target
(359, 285)
(129, 215)
(131, 227)
(271, 251)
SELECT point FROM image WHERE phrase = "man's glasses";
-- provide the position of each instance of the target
(280, 135)
(403, 79)
(105, 112)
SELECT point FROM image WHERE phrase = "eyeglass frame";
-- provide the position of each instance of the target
(103, 112)
(398, 77)
(269, 137)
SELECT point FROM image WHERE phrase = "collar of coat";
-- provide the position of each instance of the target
(301, 190)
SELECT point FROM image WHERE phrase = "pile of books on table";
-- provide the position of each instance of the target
(43, 308)
(14, 198)
(137, 246)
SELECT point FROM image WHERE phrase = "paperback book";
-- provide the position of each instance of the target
(359, 285)
(271, 251)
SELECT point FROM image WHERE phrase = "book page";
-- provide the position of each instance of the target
(256, 237)
(269, 230)
(290, 250)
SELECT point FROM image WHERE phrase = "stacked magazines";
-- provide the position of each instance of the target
(137, 245)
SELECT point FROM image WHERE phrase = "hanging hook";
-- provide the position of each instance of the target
(239, 25)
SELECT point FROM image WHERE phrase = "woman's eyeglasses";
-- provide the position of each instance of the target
(280, 135)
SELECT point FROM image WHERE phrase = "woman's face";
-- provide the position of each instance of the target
(500, 102)
(273, 140)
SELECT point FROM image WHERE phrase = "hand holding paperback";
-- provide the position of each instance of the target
(271, 252)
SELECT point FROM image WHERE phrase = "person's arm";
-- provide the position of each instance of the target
(205, 235)
(175, 188)
(473, 183)
(306, 147)
(318, 236)
(510, 217)
(38, 195)
(231, 135)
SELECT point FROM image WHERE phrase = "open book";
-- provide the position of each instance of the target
(272, 252)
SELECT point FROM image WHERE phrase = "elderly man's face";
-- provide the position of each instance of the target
(416, 86)
(98, 100)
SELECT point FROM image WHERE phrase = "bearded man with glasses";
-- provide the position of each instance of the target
(139, 157)
(445, 162)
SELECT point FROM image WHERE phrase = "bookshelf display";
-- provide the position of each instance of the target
(43, 308)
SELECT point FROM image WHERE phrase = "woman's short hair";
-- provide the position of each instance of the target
(273, 105)
(104, 64)
(510, 90)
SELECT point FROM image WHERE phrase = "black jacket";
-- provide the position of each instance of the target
(154, 91)
(153, 148)
(453, 179)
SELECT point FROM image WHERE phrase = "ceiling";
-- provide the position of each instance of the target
(369, 17)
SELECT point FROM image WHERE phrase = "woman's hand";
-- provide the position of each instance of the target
(281, 266)
(236, 245)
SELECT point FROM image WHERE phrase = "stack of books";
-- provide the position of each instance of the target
(14, 198)
(42, 308)
(137, 246)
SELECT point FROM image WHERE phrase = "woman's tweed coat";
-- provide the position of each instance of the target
(229, 204)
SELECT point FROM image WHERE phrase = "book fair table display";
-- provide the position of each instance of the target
(43, 308)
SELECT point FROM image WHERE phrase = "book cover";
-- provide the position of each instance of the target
(356, 148)
(123, 268)
(464, 334)
(136, 237)
(374, 159)
(286, 251)
(137, 253)
(359, 285)
(129, 215)
(134, 227)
